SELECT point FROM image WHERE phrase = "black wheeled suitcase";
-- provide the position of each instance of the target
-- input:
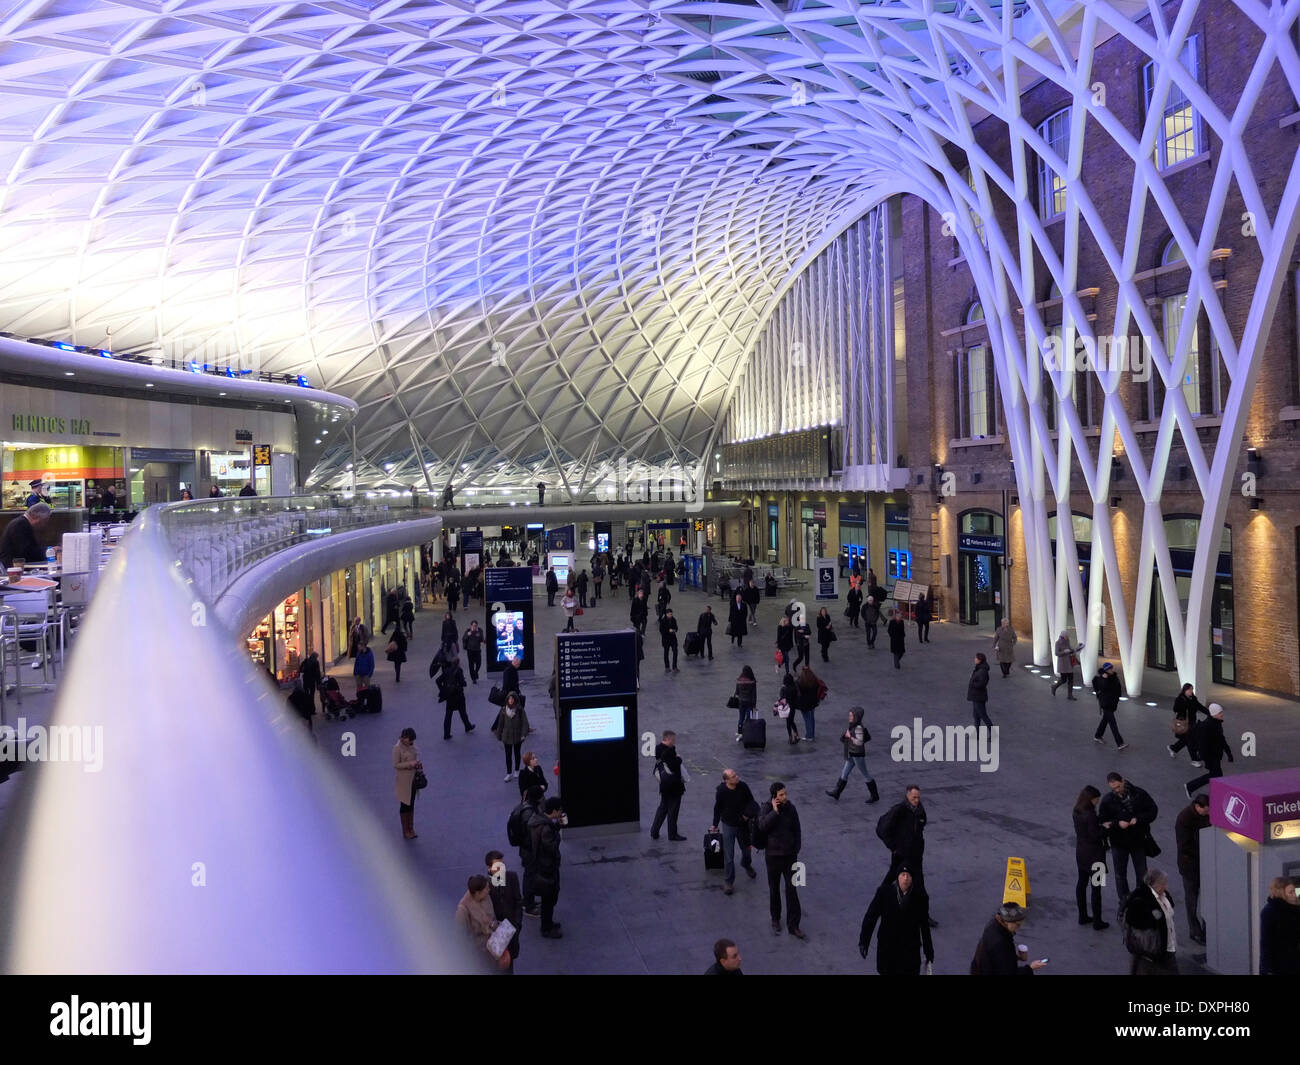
(369, 700)
(713, 858)
(692, 645)
(754, 733)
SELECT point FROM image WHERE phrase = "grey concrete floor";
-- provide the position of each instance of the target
(632, 905)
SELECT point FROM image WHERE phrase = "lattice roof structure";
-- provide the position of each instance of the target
(529, 235)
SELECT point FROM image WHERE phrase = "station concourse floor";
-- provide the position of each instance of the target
(629, 904)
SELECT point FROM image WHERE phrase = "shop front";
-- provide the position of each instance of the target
(73, 475)
(981, 549)
(1181, 531)
(812, 541)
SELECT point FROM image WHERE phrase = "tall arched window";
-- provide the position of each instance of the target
(976, 413)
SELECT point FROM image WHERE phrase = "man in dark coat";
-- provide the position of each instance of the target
(672, 786)
(552, 586)
(902, 830)
(668, 636)
(1106, 687)
(311, 674)
(507, 898)
(780, 826)
(640, 613)
(996, 954)
(1187, 831)
(472, 641)
(904, 915)
(737, 621)
(20, 538)
(1211, 745)
(726, 959)
(897, 638)
(510, 676)
(1126, 814)
(977, 691)
(546, 863)
(704, 626)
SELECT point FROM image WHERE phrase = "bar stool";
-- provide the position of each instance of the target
(8, 620)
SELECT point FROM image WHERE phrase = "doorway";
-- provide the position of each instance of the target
(981, 551)
(1181, 532)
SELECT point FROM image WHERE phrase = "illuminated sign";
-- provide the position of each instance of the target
(262, 455)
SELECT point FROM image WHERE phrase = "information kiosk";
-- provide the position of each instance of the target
(508, 626)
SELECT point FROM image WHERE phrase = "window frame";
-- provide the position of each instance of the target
(1048, 192)
(1175, 103)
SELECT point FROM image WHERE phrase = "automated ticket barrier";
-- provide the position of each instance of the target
(1254, 836)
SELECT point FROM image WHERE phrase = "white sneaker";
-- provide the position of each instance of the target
(509, 778)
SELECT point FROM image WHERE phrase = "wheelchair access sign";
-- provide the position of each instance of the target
(826, 575)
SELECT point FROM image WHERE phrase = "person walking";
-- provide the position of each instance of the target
(408, 616)
(311, 677)
(640, 612)
(825, 633)
(451, 691)
(785, 641)
(510, 727)
(786, 704)
(1148, 921)
(570, 605)
(1186, 710)
(903, 911)
(597, 576)
(1187, 833)
(1127, 814)
(476, 921)
(977, 691)
(780, 828)
(1067, 660)
(396, 652)
(532, 774)
(392, 612)
(802, 641)
(902, 830)
(1211, 745)
(1279, 930)
(922, 613)
(473, 643)
(546, 863)
(357, 635)
(997, 953)
(668, 636)
(1089, 853)
(746, 696)
(812, 690)
(726, 959)
(406, 762)
(897, 638)
(855, 740)
(734, 812)
(552, 586)
(672, 786)
(450, 633)
(662, 600)
(1106, 686)
(453, 592)
(510, 675)
(737, 621)
(871, 620)
(704, 626)
(854, 610)
(507, 897)
(363, 669)
(1004, 646)
(752, 595)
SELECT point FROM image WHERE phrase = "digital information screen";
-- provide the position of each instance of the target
(593, 665)
(508, 584)
(510, 631)
(596, 723)
(562, 563)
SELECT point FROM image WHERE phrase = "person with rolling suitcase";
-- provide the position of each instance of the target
(744, 699)
(734, 812)
(704, 626)
(692, 645)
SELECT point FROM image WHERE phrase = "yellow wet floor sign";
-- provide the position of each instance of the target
(1017, 886)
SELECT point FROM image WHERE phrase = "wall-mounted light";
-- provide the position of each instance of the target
(938, 471)
(920, 478)
(1183, 472)
(1256, 503)
(1114, 502)
(1254, 460)
(1116, 467)
(976, 477)
(1015, 501)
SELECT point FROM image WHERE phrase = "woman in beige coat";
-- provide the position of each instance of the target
(406, 760)
(1004, 645)
(477, 921)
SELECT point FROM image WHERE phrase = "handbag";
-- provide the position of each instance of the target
(578, 611)
(729, 632)
(1074, 660)
(500, 938)
(733, 703)
(781, 708)
(1150, 847)
(830, 636)
(1179, 725)
(419, 782)
(391, 648)
(496, 696)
